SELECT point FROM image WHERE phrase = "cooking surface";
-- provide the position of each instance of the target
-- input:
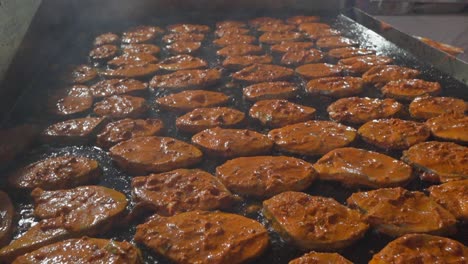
(73, 51)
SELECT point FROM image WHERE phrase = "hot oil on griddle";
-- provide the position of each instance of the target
(279, 250)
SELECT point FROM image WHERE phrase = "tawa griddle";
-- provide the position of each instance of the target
(73, 46)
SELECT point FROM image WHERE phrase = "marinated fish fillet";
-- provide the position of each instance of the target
(358, 110)
(393, 133)
(229, 143)
(421, 248)
(427, 107)
(204, 118)
(358, 167)
(265, 176)
(312, 137)
(202, 237)
(320, 258)
(438, 161)
(54, 173)
(84, 250)
(154, 154)
(453, 196)
(449, 126)
(181, 190)
(82, 211)
(396, 212)
(314, 222)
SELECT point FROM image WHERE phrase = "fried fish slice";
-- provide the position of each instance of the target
(181, 190)
(234, 39)
(314, 222)
(132, 59)
(393, 133)
(103, 53)
(80, 208)
(262, 21)
(362, 64)
(186, 79)
(278, 113)
(278, 37)
(56, 173)
(319, 70)
(240, 49)
(270, 90)
(189, 100)
(359, 167)
(106, 38)
(154, 154)
(79, 90)
(285, 47)
(73, 105)
(313, 25)
(358, 110)
(265, 176)
(131, 71)
(7, 212)
(121, 106)
(263, 73)
(83, 74)
(336, 86)
(125, 129)
(348, 52)
(87, 210)
(182, 62)
(239, 62)
(312, 137)
(320, 258)
(229, 143)
(231, 24)
(85, 251)
(333, 42)
(45, 232)
(184, 47)
(438, 161)
(428, 106)
(183, 37)
(421, 248)
(141, 34)
(449, 126)
(221, 32)
(297, 20)
(396, 212)
(382, 74)
(201, 237)
(141, 48)
(204, 118)
(111, 87)
(189, 28)
(453, 196)
(302, 57)
(317, 30)
(277, 28)
(73, 131)
(409, 89)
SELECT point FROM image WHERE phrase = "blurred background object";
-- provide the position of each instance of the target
(444, 21)
(15, 17)
(398, 7)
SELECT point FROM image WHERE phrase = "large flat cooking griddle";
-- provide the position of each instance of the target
(72, 49)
